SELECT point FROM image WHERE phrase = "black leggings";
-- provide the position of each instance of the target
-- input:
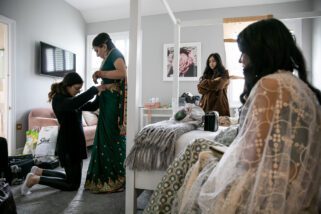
(69, 181)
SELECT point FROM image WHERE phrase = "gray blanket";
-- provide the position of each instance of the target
(154, 147)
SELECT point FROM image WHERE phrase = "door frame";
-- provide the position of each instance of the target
(10, 63)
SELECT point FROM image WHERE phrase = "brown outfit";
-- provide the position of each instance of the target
(214, 94)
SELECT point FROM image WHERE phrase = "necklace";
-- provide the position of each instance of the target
(103, 62)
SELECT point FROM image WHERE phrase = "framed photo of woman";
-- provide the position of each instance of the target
(189, 62)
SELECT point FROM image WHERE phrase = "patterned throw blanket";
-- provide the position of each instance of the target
(154, 147)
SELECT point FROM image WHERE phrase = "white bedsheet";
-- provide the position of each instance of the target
(187, 138)
(150, 179)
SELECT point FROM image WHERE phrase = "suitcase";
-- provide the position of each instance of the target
(48, 165)
(48, 162)
(5, 171)
(20, 165)
(7, 202)
(14, 168)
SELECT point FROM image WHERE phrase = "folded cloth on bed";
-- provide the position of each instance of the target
(227, 136)
(154, 147)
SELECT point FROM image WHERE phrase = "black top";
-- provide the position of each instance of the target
(68, 110)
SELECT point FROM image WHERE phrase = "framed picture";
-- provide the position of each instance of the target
(189, 62)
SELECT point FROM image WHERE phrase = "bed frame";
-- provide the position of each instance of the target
(143, 179)
(147, 180)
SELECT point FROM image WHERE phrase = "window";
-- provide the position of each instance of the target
(232, 27)
(120, 40)
(236, 72)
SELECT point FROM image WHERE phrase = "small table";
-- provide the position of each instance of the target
(153, 115)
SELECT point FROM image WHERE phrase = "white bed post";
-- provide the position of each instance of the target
(175, 89)
(177, 36)
(134, 97)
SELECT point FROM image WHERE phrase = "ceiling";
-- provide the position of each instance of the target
(105, 10)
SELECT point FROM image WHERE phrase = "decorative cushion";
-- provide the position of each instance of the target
(90, 118)
(31, 142)
(96, 112)
(227, 136)
(83, 121)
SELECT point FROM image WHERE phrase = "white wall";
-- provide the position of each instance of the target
(307, 29)
(54, 22)
(158, 30)
(316, 53)
(58, 23)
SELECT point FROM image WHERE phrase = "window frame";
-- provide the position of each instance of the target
(116, 36)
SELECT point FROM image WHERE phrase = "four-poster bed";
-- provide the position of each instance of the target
(149, 179)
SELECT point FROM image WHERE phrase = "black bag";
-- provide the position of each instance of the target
(211, 121)
(21, 165)
(50, 163)
(189, 98)
(5, 171)
(7, 203)
(14, 168)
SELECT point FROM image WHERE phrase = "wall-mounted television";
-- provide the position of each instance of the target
(56, 61)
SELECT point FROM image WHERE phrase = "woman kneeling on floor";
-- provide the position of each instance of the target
(71, 144)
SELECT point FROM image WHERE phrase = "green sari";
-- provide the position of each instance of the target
(106, 172)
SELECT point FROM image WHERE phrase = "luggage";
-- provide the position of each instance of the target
(20, 165)
(47, 162)
(7, 203)
(14, 168)
(4, 163)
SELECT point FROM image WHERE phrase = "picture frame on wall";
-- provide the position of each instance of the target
(189, 63)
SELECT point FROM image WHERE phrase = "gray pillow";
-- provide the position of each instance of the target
(227, 136)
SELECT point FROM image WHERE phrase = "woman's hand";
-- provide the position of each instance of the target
(111, 87)
(101, 88)
(96, 75)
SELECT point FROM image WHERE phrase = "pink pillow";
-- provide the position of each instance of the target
(90, 118)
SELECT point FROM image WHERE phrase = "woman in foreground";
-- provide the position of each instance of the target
(273, 164)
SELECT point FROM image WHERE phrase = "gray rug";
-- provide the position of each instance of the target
(47, 200)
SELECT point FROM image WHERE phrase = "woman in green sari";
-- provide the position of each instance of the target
(106, 172)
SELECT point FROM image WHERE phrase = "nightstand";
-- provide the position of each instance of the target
(153, 115)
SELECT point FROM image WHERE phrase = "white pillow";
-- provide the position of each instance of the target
(47, 139)
(90, 118)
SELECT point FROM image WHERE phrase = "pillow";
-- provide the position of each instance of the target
(47, 140)
(90, 118)
(227, 135)
(96, 112)
(31, 142)
(190, 113)
(83, 121)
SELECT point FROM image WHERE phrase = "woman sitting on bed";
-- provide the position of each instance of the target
(272, 166)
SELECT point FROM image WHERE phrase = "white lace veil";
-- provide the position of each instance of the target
(274, 164)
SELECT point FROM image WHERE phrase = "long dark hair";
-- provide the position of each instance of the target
(61, 87)
(218, 71)
(101, 39)
(270, 47)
